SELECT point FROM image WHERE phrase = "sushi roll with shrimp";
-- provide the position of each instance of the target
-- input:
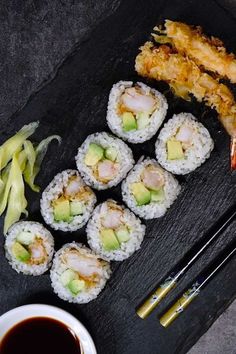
(114, 232)
(135, 111)
(183, 144)
(29, 247)
(78, 275)
(103, 160)
(67, 202)
(149, 190)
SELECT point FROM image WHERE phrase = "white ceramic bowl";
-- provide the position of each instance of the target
(11, 318)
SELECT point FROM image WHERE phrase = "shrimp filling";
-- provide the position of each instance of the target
(114, 230)
(179, 144)
(29, 248)
(135, 108)
(150, 186)
(103, 162)
(83, 270)
(72, 201)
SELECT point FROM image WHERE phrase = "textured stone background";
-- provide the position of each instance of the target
(35, 38)
(221, 337)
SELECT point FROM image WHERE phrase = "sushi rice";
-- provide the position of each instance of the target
(155, 119)
(199, 146)
(55, 190)
(34, 238)
(112, 216)
(171, 189)
(67, 259)
(124, 160)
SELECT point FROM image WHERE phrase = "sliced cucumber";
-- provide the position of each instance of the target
(122, 234)
(68, 276)
(158, 196)
(143, 119)
(76, 286)
(111, 154)
(76, 208)
(25, 237)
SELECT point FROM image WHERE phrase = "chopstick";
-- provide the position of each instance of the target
(200, 282)
(177, 273)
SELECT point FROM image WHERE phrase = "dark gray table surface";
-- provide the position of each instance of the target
(58, 62)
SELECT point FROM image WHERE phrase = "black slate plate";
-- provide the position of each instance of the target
(73, 105)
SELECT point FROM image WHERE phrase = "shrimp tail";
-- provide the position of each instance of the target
(233, 153)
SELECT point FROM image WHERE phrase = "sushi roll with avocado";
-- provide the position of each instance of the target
(29, 247)
(67, 202)
(78, 275)
(149, 190)
(183, 144)
(114, 232)
(103, 160)
(135, 111)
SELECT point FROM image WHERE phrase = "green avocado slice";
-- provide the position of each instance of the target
(174, 150)
(94, 154)
(141, 193)
(129, 122)
(61, 210)
(109, 240)
(20, 252)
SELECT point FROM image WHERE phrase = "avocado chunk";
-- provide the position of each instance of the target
(61, 210)
(76, 286)
(109, 240)
(158, 196)
(111, 154)
(122, 234)
(94, 154)
(129, 122)
(76, 208)
(174, 150)
(67, 276)
(25, 237)
(20, 252)
(143, 119)
(141, 193)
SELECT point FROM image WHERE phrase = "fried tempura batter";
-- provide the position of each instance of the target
(207, 52)
(185, 78)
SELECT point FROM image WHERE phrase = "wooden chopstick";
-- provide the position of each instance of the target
(200, 282)
(177, 273)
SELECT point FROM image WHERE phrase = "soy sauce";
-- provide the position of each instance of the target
(40, 335)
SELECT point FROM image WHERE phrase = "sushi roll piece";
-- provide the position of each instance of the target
(135, 111)
(67, 202)
(103, 160)
(114, 232)
(149, 190)
(78, 275)
(29, 247)
(183, 144)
